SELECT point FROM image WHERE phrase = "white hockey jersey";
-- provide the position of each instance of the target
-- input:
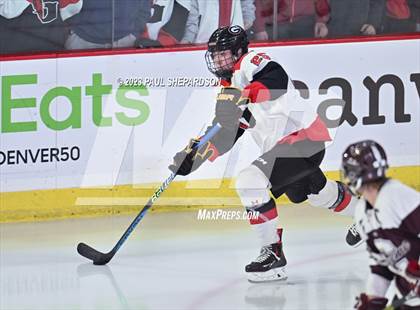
(391, 230)
(282, 117)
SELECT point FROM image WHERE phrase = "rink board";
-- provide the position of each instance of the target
(77, 133)
(125, 199)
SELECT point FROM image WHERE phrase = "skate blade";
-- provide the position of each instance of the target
(276, 274)
(357, 244)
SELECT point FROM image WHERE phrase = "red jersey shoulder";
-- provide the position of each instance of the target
(251, 60)
(251, 63)
(258, 58)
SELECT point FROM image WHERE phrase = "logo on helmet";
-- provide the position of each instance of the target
(235, 29)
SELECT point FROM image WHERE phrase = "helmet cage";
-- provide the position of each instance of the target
(350, 175)
(223, 71)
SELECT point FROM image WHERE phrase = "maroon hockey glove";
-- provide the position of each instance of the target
(190, 158)
(228, 112)
(364, 302)
(413, 270)
(413, 276)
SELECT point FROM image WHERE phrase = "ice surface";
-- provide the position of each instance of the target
(174, 261)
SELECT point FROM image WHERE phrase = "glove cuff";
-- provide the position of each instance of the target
(413, 269)
(206, 149)
(215, 152)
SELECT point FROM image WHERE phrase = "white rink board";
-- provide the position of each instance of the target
(123, 154)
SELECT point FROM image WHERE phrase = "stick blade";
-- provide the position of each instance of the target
(97, 257)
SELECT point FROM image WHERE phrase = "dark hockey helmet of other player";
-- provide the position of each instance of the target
(229, 38)
(363, 162)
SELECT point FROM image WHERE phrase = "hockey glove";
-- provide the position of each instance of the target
(364, 302)
(190, 158)
(412, 273)
(228, 112)
(413, 270)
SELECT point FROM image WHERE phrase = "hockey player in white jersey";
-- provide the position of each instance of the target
(259, 98)
(388, 219)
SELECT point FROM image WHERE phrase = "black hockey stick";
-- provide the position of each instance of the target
(100, 258)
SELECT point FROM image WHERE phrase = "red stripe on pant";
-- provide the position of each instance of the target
(344, 203)
(264, 217)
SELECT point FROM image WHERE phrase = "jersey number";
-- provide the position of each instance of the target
(256, 60)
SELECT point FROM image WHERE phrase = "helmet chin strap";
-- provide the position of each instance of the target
(238, 55)
(355, 188)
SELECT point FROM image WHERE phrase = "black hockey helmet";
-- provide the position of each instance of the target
(363, 162)
(232, 38)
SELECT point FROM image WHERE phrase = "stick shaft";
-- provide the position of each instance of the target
(158, 192)
(139, 216)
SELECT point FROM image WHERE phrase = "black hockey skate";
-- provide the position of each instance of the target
(353, 237)
(269, 265)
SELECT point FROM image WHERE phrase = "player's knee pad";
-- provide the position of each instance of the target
(252, 187)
